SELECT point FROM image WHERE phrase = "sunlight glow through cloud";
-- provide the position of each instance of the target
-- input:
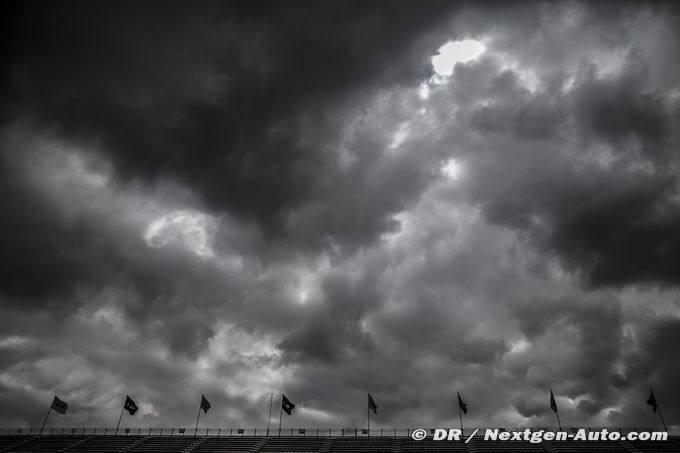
(451, 169)
(400, 135)
(454, 52)
(190, 228)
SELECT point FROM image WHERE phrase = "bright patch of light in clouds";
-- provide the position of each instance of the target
(316, 414)
(307, 281)
(454, 52)
(519, 346)
(147, 409)
(399, 136)
(255, 354)
(451, 169)
(190, 228)
(424, 90)
(13, 341)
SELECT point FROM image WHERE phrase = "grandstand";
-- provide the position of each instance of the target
(297, 440)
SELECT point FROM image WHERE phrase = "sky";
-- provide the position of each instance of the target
(330, 198)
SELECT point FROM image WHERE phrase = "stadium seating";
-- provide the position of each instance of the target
(409, 445)
(292, 444)
(362, 444)
(229, 444)
(10, 441)
(511, 446)
(580, 446)
(310, 444)
(167, 444)
(670, 445)
(107, 444)
(48, 443)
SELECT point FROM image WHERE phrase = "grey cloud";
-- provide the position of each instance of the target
(589, 408)
(253, 144)
(612, 221)
(480, 352)
(334, 331)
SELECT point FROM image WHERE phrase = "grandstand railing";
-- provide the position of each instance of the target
(292, 432)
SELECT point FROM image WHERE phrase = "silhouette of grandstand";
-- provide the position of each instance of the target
(298, 441)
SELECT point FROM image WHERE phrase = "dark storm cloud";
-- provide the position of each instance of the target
(622, 110)
(613, 219)
(51, 254)
(334, 331)
(593, 326)
(235, 100)
(653, 363)
(60, 254)
(481, 352)
(48, 259)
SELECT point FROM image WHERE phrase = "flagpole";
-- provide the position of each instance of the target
(120, 418)
(197, 417)
(368, 415)
(558, 420)
(661, 416)
(45, 421)
(281, 415)
(460, 415)
(269, 421)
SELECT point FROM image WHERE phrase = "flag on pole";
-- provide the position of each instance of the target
(651, 400)
(371, 404)
(462, 405)
(130, 405)
(59, 405)
(553, 404)
(286, 405)
(205, 405)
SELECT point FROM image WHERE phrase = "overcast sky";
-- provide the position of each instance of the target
(333, 198)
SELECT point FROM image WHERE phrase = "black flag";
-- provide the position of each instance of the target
(286, 405)
(59, 405)
(130, 405)
(462, 405)
(651, 400)
(371, 404)
(553, 404)
(205, 405)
